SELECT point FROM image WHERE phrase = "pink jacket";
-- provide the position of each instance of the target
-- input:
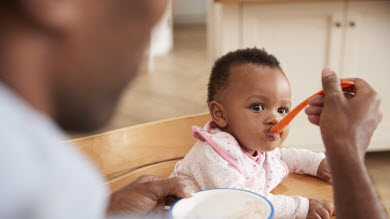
(217, 161)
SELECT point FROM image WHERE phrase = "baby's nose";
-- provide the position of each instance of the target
(273, 119)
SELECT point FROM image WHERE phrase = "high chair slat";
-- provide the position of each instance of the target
(125, 149)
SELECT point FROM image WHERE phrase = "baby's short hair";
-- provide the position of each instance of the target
(221, 70)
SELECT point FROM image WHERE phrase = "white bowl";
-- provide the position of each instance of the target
(222, 203)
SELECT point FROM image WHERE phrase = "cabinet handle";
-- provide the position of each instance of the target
(352, 24)
(337, 24)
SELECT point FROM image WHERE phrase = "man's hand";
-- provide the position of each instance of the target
(145, 195)
(323, 172)
(346, 123)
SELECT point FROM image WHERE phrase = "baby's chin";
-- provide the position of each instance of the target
(269, 147)
(268, 144)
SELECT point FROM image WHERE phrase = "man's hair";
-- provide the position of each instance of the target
(221, 70)
(10, 5)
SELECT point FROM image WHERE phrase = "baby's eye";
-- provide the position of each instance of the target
(257, 107)
(282, 110)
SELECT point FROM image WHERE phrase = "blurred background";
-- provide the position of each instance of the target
(352, 37)
(173, 79)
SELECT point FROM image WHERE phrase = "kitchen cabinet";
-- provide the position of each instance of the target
(367, 55)
(352, 37)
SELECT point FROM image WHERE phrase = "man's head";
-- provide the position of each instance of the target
(86, 53)
(248, 94)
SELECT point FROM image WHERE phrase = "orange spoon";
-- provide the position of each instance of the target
(278, 128)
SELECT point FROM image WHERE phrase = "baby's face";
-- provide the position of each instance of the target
(256, 98)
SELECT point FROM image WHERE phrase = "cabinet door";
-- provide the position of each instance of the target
(367, 55)
(305, 37)
(223, 28)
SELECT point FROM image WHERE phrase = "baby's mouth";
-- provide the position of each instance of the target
(271, 135)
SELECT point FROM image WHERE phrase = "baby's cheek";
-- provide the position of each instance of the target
(253, 138)
(284, 134)
(244, 138)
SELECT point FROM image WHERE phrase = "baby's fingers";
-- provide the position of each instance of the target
(323, 213)
(330, 208)
(314, 215)
(327, 178)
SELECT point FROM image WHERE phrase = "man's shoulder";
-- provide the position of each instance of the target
(36, 172)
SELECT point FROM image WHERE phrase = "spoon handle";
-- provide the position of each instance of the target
(278, 128)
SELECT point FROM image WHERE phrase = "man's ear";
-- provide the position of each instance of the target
(218, 114)
(54, 16)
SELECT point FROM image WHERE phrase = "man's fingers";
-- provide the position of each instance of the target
(331, 84)
(170, 200)
(170, 187)
(313, 110)
(359, 87)
(160, 205)
(316, 101)
(314, 119)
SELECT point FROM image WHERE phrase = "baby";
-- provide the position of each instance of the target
(248, 93)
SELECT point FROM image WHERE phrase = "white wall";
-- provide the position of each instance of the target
(162, 34)
(189, 11)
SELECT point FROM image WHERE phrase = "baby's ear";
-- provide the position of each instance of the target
(218, 114)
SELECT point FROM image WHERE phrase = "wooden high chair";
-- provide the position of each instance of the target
(154, 148)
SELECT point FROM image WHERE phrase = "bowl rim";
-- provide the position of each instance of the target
(270, 204)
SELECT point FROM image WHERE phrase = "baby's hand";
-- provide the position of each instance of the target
(323, 171)
(320, 209)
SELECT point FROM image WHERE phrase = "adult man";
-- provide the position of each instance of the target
(67, 61)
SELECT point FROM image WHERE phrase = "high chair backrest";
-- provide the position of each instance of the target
(154, 148)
